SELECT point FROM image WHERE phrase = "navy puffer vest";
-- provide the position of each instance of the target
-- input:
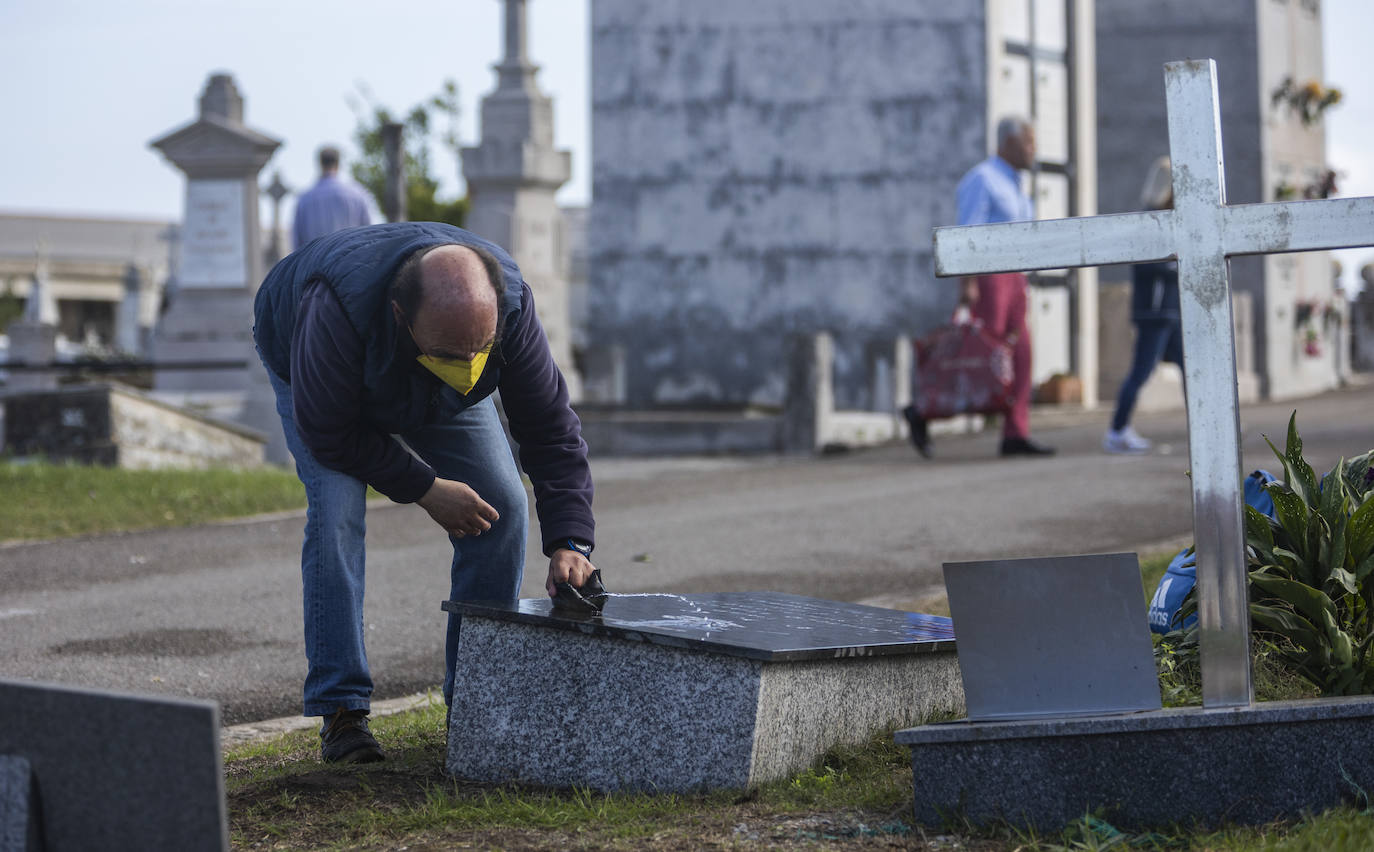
(358, 264)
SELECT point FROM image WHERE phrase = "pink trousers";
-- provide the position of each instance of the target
(1001, 308)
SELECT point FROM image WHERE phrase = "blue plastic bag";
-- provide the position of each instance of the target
(1181, 574)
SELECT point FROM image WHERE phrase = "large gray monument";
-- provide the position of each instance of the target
(771, 168)
(210, 316)
(512, 176)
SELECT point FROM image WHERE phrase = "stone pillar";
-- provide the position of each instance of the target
(209, 317)
(33, 337)
(810, 396)
(903, 358)
(512, 176)
(1083, 155)
(127, 315)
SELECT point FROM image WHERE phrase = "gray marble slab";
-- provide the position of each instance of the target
(768, 626)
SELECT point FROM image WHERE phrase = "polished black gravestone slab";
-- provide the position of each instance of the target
(669, 692)
(113, 771)
(770, 626)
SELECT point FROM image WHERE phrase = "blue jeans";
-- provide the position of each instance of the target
(467, 445)
(1155, 341)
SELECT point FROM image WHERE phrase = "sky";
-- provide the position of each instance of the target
(85, 85)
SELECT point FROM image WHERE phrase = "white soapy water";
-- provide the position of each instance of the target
(678, 622)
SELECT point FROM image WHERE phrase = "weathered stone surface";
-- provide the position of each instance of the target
(1244, 765)
(773, 168)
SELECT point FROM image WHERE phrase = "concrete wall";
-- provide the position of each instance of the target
(117, 426)
(768, 168)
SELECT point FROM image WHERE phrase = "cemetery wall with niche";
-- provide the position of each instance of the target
(773, 168)
(1255, 46)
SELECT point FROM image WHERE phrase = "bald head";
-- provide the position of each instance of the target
(456, 309)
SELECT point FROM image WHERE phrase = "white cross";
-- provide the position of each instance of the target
(1201, 231)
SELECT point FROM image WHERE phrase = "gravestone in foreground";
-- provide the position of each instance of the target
(84, 769)
(1231, 759)
(676, 693)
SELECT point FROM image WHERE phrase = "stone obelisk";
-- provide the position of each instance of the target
(512, 176)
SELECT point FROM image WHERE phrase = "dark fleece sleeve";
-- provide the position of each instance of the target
(547, 431)
(326, 392)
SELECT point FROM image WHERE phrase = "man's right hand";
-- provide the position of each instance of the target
(457, 508)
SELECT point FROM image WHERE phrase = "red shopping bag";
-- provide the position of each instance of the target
(962, 369)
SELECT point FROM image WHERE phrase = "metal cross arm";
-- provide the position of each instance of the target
(1142, 237)
(1201, 232)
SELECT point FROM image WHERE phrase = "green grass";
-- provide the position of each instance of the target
(279, 790)
(57, 500)
(282, 797)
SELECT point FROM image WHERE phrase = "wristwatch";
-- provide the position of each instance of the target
(578, 546)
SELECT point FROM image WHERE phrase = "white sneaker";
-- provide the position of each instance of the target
(1124, 440)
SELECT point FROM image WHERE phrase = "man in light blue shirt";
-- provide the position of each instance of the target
(989, 193)
(330, 205)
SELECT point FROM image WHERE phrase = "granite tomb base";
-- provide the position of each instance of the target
(669, 693)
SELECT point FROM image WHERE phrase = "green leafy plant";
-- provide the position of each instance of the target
(1310, 569)
(1311, 590)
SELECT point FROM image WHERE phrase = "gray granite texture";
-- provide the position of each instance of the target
(555, 707)
(18, 820)
(1183, 765)
(117, 772)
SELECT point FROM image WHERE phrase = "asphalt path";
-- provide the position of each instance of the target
(214, 611)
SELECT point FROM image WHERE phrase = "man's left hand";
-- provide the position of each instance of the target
(567, 566)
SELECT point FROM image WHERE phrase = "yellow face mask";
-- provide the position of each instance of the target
(458, 374)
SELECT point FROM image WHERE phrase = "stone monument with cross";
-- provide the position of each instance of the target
(208, 323)
(512, 176)
(1201, 232)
